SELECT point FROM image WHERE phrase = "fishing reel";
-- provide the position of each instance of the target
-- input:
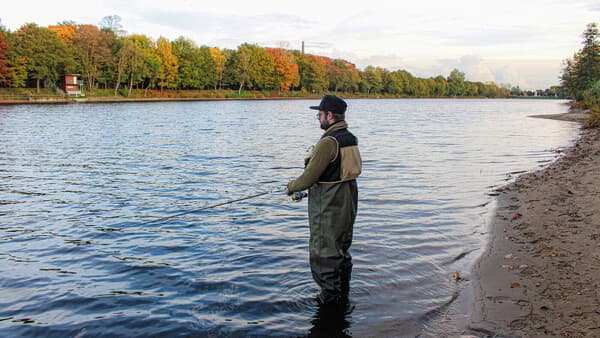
(298, 196)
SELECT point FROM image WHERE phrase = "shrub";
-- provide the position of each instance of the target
(594, 120)
(591, 96)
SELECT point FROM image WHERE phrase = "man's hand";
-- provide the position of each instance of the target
(287, 191)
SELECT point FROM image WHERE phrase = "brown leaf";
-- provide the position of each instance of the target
(516, 216)
(515, 285)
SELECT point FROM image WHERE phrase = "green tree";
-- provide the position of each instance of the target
(583, 70)
(372, 79)
(313, 75)
(239, 67)
(263, 68)
(116, 67)
(130, 61)
(40, 52)
(16, 61)
(516, 91)
(419, 87)
(335, 74)
(429, 84)
(93, 49)
(253, 67)
(456, 83)
(342, 75)
(393, 83)
(196, 68)
(588, 67)
(187, 72)
(151, 62)
(440, 87)
(568, 77)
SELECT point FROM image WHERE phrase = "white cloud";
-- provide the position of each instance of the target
(527, 74)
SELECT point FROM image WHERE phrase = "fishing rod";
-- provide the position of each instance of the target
(297, 197)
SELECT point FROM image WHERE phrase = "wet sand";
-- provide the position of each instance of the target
(540, 274)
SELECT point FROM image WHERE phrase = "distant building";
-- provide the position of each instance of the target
(71, 86)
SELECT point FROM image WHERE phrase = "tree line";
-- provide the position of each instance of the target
(580, 78)
(107, 58)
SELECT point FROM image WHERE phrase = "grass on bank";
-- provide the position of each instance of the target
(27, 94)
(140, 94)
(7, 93)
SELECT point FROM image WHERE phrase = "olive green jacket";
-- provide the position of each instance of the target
(324, 152)
(332, 207)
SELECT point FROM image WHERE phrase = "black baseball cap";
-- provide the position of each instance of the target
(331, 103)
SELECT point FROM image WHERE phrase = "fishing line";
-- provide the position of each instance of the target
(163, 219)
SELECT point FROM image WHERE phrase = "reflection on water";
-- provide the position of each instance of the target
(332, 320)
(78, 182)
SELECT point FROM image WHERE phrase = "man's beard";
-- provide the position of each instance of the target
(325, 125)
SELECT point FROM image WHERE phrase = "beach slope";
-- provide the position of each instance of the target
(540, 275)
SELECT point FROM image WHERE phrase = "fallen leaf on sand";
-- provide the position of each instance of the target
(445, 319)
(507, 266)
(510, 256)
(523, 266)
(515, 285)
(516, 216)
(457, 276)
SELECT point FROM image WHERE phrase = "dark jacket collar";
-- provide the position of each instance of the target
(335, 127)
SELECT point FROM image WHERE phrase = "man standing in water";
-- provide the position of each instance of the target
(330, 175)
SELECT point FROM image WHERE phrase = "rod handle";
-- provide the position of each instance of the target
(298, 196)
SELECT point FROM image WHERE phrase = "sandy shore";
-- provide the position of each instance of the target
(540, 275)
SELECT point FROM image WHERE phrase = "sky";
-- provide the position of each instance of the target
(512, 42)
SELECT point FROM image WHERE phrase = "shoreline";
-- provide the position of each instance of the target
(540, 273)
(112, 99)
(147, 99)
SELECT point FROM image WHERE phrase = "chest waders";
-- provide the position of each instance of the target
(332, 206)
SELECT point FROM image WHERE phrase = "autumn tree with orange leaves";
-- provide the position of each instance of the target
(65, 31)
(287, 69)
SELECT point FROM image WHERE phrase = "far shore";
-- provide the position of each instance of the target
(172, 99)
(118, 99)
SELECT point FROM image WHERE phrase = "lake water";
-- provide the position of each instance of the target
(78, 181)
